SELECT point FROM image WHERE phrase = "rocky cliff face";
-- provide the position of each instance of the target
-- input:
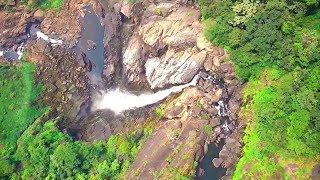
(162, 44)
(156, 45)
(147, 46)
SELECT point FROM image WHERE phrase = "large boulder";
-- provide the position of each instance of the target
(39, 15)
(173, 68)
(167, 48)
(217, 162)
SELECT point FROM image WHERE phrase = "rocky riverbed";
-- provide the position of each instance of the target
(148, 46)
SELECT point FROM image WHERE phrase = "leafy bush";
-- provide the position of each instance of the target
(51, 4)
(286, 123)
(262, 35)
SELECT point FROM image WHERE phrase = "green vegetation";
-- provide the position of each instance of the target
(132, 1)
(44, 4)
(158, 11)
(17, 103)
(32, 147)
(159, 111)
(260, 35)
(208, 129)
(204, 115)
(51, 4)
(46, 153)
(275, 48)
(171, 172)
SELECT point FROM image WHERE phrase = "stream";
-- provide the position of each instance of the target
(211, 172)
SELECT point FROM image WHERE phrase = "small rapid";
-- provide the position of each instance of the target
(14, 55)
(53, 42)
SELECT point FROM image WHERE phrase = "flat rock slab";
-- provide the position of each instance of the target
(217, 162)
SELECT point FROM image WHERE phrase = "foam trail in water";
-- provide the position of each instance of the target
(48, 39)
(20, 51)
(1, 53)
(119, 101)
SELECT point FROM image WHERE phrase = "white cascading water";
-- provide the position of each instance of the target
(20, 51)
(39, 35)
(48, 39)
(221, 109)
(119, 101)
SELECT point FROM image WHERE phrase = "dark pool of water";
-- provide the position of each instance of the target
(11, 56)
(91, 44)
(211, 172)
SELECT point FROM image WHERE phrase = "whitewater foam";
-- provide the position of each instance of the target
(20, 51)
(48, 39)
(119, 100)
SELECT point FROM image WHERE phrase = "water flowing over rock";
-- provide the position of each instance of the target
(53, 42)
(119, 101)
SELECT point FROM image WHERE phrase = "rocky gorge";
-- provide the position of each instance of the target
(148, 47)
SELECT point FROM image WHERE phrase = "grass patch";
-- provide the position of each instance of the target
(132, 1)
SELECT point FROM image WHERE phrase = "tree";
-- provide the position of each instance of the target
(64, 161)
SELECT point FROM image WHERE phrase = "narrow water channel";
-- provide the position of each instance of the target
(211, 172)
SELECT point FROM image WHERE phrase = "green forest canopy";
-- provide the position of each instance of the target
(31, 146)
(275, 48)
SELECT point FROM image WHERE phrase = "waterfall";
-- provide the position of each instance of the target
(221, 109)
(120, 100)
(20, 51)
(14, 55)
(48, 39)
